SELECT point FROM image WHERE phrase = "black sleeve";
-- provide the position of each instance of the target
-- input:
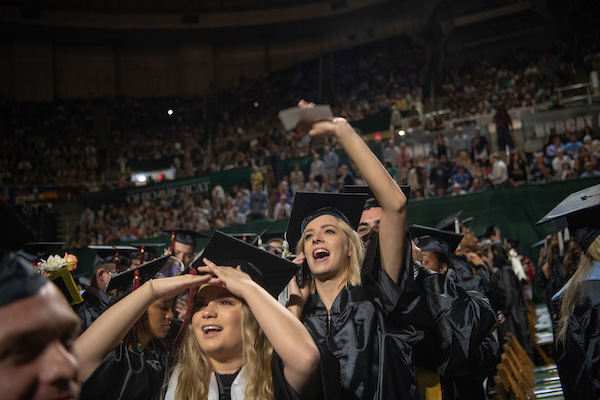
(283, 390)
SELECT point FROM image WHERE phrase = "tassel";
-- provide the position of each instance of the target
(136, 284)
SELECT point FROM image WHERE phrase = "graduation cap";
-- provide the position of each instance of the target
(58, 269)
(270, 271)
(184, 236)
(304, 118)
(308, 206)
(451, 223)
(582, 212)
(35, 251)
(248, 237)
(371, 200)
(143, 273)
(435, 240)
(144, 251)
(118, 255)
(514, 243)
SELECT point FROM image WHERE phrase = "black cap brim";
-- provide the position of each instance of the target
(306, 204)
(107, 254)
(147, 271)
(448, 223)
(186, 236)
(582, 212)
(434, 240)
(271, 272)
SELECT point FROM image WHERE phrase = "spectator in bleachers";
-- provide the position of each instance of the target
(317, 168)
(479, 145)
(573, 145)
(559, 160)
(517, 170)
(259, 204)
(390, 153)
(296, 179)
(460, 142)
(503, 125)
(331, 162)
(462, 179)
(533, 144)
(499, 176)
(589, 169)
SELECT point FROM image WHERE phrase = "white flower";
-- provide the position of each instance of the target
(53, 263)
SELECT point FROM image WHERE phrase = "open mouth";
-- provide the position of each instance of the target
(320, 254)
(211, 329)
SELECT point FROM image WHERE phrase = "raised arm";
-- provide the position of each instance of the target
(112, 326)
(392, 226)
(289, 337)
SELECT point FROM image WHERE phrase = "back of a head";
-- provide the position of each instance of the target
(500, 257)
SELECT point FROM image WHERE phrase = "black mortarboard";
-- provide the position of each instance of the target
(35, 251)
(308, 206)
(146, 250)
(451, 223)
(269, 271)
(186, 236)
(434, 240)
(146, 272)
(371, 200)
(247, 237)
(487, 233)
(109, 254)
(582, 211)
(514, 243)
(272, 235)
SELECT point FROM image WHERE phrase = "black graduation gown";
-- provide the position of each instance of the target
(371, 356)
(473, 277)
(578, 360)
(129, 375)
(94, 304)
(507, 297)
(458, 343)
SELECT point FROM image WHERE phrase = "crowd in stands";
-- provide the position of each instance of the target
(65, 142)
(471, 170)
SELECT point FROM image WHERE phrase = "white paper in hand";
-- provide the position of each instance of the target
(290, 116)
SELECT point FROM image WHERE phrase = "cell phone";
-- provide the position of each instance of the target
(302, 274)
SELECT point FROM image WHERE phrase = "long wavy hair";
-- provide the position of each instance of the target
(195, 368)
(571, 295)
(357, 254)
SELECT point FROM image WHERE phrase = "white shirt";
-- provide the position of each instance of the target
(499, 172)
(237, 387)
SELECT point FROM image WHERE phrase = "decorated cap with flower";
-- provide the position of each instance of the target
(55, 267)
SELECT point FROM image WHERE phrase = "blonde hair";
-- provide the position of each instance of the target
(357, 253)
(569, 299)
(195, 367)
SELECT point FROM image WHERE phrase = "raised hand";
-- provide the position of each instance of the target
(233, 279)
(167, 288)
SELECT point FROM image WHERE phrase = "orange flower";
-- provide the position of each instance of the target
(71, 261)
